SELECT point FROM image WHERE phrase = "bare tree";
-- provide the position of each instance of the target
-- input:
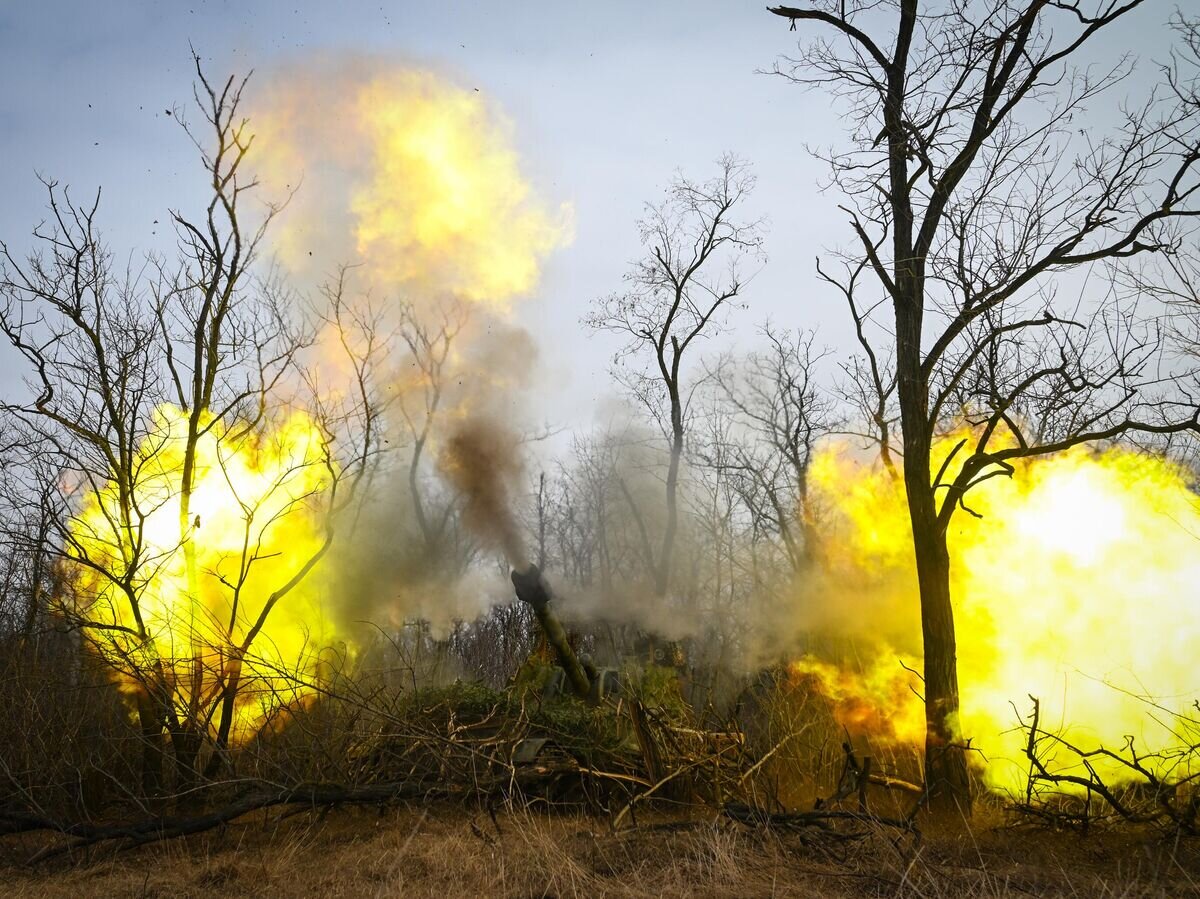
(430, 336)
(138, 380)
(969, 185)
(89, 343)
(226, 340)
(677, 294)
(597, 530)
(343, 460)
(773, 398)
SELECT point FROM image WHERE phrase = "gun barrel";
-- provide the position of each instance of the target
(531, 588)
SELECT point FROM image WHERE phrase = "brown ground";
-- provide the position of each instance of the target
(446, 852)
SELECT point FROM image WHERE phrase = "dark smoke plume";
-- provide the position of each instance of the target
(481, 460)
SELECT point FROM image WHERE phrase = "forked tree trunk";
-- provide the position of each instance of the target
(945, 758)
(220, 752)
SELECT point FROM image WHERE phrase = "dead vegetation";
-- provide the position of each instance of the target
(190, 755)
(1066, 789)
(460, 789)
(443, 850)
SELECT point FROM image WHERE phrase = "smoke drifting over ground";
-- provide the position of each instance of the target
(414, 179)
(385, 574)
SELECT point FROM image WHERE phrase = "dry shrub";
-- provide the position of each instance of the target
(68, 745)
(439, 852)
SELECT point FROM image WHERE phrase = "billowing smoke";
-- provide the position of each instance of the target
(406, 173)
(1040, 607)
(413, 180)
(383, 573)
(482, 461)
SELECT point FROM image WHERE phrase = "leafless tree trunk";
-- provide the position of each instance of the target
(772, 395)
(677, 294)
(968, 186)
(107, 352)
(223, 350)
(430, 337)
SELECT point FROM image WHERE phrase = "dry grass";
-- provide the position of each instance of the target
(444, 852)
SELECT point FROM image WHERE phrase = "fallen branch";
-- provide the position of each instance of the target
(155, 829)
(1164, 806)
(822, 819)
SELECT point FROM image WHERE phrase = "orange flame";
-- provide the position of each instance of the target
(1079, 585)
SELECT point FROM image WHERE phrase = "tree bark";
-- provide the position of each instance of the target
(220, 751)
(185, 742)
(946, 775)
(945, 761)
(662, 577)
(150, 722)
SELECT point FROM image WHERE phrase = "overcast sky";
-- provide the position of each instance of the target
(607, 100)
